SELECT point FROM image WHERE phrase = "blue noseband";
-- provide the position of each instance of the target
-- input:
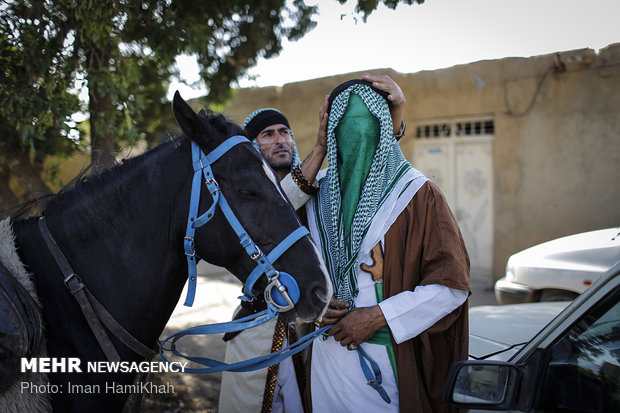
(282, 292)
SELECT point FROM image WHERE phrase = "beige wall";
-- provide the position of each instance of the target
(555, 163)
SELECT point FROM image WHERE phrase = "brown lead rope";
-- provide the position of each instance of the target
(272, 372)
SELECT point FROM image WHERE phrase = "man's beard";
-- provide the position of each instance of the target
(280, 164)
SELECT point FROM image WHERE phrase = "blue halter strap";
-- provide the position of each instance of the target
(372, 372)
(282, 291)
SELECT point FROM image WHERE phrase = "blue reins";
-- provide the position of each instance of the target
(256, 363)
(370, 368)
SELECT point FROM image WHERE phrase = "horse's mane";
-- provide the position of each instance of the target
(88, 179)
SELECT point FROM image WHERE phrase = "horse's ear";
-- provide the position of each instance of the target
(186, 117)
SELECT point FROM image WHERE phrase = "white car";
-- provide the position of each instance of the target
(571, 365)
(558, 270)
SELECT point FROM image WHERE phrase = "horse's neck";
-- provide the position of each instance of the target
(125, 242)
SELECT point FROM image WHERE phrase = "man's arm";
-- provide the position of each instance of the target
(291, 185)
(407, 314)
(411, 312)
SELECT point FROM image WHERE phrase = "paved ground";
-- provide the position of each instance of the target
(216, 298)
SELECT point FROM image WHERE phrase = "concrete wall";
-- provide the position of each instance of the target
(556, 146)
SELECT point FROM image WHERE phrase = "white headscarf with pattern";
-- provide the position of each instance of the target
(389, 187)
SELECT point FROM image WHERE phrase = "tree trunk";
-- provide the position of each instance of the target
(17, 163)
(102, 142)
(102, 139)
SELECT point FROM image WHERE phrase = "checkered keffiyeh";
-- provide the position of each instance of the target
(387, 168)
(296, 161)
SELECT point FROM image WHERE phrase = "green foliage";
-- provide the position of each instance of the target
(35, 104)
(122, 52)
(366, 7)
(125, 52)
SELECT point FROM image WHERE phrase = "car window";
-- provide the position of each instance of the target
(584, 366)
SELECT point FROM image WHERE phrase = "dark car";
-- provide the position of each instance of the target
(571, 365)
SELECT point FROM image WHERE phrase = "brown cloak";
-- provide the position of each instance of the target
(425, 246)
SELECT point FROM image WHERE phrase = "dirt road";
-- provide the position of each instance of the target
(216, 299)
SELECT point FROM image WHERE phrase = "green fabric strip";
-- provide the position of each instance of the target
(357, 136)
(383, 336)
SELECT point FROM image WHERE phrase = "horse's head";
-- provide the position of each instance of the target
(251, 189)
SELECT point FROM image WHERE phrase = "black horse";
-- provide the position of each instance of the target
(122, 232)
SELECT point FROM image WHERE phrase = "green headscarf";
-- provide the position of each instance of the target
(340, 246)
(357, 136)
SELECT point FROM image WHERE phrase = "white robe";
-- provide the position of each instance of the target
(337, 381)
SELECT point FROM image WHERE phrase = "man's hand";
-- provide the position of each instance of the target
(395, 95)
(336, 310)
(385, 83)
(358, 326)
(321, 140)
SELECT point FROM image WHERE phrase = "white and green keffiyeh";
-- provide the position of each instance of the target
(386, 191)
(296, 161)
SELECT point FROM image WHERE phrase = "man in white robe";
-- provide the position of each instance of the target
(372, 196)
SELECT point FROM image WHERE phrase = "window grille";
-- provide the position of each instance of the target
(457, 129)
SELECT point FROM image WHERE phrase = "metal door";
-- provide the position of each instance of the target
(457, 156)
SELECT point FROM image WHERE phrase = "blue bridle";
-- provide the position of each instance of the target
(282, 292)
